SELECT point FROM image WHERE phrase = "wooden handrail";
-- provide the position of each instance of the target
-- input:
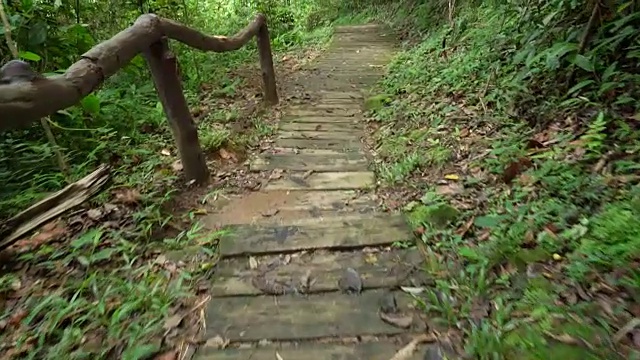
(26, 96)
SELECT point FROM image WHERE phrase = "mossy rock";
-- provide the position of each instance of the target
(443, 215)
(377, 102)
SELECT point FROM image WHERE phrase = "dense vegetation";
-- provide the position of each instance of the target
(508, 131)
(515, 124)
(97, 285)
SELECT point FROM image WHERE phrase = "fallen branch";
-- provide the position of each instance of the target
(22, 102)
(53, 206)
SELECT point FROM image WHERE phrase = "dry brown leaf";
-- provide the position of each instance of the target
(462, 230)
(407, 352)
(450, 189)
(276, 174)
(50, 232)
(177, 166)
(253, 263)
(403, 322)
(227, 155)
(217, 342)
(270, 212)
(515, 168)
(127, 196)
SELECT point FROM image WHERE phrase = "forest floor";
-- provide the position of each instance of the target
(528, 251)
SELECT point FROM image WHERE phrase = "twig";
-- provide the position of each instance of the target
(585, 36)
(64, 168)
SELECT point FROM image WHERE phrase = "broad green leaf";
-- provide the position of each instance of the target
(489, 221)
(28, 55)
(583, 62)
(468, 253)
(579, 86)
(91, 104)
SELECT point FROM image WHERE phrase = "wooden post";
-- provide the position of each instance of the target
(164, 71)
(266, 64)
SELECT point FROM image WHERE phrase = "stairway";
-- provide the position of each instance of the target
(278, 291)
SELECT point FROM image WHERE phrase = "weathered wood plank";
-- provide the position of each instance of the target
(377, 270)
(339, 144)
(300, 162)
(292, 317)
(325, 94)
(338, 233)
(328, 152)
(322, 119)
(324, 181)
(328, 127)
(329, 107)
(310, 111)
(320, 135)
(358, 351)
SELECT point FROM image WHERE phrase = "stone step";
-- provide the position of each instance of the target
(343, 233)
(331, 127)
(338, 94)
(378, 350)
(336, 144)
(299, 162)
(378, 269)
(323, 181)
(295, 317)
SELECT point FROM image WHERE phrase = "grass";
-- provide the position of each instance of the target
(530, 230)
(112, 280)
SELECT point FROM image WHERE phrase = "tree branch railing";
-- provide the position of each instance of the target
(26, 96)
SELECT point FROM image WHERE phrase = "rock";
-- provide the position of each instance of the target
(350, 282)
(388, 303)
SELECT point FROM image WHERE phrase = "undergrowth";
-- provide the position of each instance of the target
(99, 283)
(515, 127)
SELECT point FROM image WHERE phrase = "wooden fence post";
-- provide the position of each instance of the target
(266, 64)
(164, 71)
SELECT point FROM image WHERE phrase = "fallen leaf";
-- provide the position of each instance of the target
(408, 350)
(227, 155)
(371, 259)
(403, 322)
(16, 317)
(253, 263)
(462, 230)
(515, 168)
(412, 290)
(270, 212)
(452, 177)
(49, 232)
(94, 214)
(165, 152)
(177, 166)
(557, 257)
(450, 189)
(127, 196)
(217, 342)
(276, 174)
